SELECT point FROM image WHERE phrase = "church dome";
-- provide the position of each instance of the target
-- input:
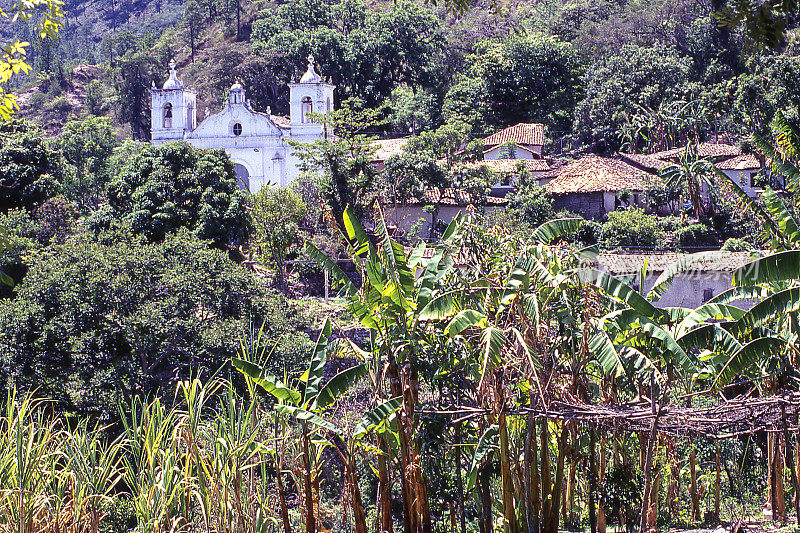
(237, 87)
(173, 82)
(311, 75)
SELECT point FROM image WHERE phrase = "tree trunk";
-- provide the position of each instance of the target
(693, 494)
(311, 523)
(718, 481)
(531, 473)
(384, 487)
(359, 518)
(601, 511)
(509, 506)
(592, 482)
(460, 480)
(545, 479)
(484, 491)
(555, 494)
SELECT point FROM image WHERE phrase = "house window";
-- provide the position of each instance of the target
(306, 108)
(328, 105)
(237, 129)
(167, 116)
(707, 294)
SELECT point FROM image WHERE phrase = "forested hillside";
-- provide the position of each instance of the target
(602, 75)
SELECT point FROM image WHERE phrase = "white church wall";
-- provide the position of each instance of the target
(256, 145)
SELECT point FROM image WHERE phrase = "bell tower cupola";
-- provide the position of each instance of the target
(173, 112)
(311, 95)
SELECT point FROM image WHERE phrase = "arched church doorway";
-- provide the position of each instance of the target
(242, 176)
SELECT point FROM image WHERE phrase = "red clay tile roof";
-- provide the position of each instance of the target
(709, 262)
(703, 150)
(593, 173)
(645, 161)
(522, 133)
(740, 162)
(450, 196)
(507, 166)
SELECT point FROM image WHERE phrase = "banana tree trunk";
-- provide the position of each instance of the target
(531, 474)
(460, 481)
(485, 493)
(717, 482)
(308, 492)
(359, 517)
(509, 506)
(384, 487)
(555, 494)
(694, 495)
(601, 510)
(545, 478)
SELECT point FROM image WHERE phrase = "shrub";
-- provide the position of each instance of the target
(696, 235)
(30, 170)
(98, 320)
(161, 189)
(531, 204)
(736, 245)
(632, 228)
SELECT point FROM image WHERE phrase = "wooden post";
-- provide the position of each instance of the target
(716, 486)
(790, 462)
(592, 482)
(327, 286)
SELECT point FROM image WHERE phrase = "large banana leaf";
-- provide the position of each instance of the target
(606, 354)
(376, 417)
(621, 291)
(463, 320)
(781, 266)
(266, 381)
(742, 293)
(739, 362)
(654, 336)
(338, 385)
(554, 229)
(486, 444)
(788, 232)
(683, 264)
(711, 337)
(316, 367)
(356, 235)
(306, 416)
(325, 263)
(774, 307)
(706, 312)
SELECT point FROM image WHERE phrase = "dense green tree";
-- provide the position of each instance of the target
(531, 204)
(30, 169)
(96, 321)
(365, 55)
(523, 79)
(638, 77)
(342, 161)
(87, 146)
(163, 188)
(277, 214)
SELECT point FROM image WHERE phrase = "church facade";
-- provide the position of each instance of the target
(256, 142)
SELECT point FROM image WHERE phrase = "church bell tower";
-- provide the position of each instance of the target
(173, 112)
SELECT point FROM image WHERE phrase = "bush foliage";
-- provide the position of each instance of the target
(98, 320)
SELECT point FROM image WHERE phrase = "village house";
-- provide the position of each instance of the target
(256, 142)
(707, 276)
(593, 186)
(437, 207)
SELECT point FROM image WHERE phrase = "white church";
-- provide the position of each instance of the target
(255, 142)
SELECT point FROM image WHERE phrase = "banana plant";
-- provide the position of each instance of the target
(304, 402)
(395, 289)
